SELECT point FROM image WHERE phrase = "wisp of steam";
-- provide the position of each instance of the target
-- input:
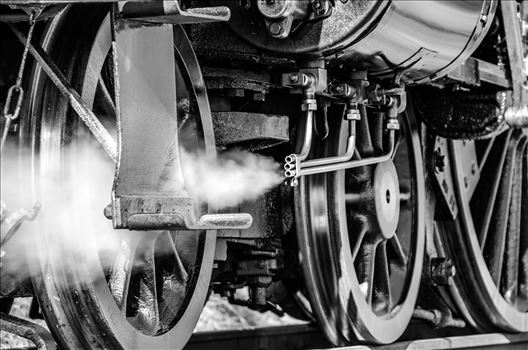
(229, 179)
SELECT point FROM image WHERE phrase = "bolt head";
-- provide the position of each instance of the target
(108, 211)
(439, 161)
(275, 28)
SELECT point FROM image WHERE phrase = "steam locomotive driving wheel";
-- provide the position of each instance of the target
(488, 241)
(361, 234)
(107, 288)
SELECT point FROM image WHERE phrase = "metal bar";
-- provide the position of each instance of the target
(47, 13)
(514, 42)
(50, 2)
(57, 77)
(28, 330)
(482, 341)
(493, 74)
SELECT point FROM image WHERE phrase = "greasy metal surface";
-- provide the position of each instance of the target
(47, 13)
(170, 12)
(267, 225)
(442, 172)
(218, 78)
(420, 38)
(38, 335)
(457, 114)
(252, 130)
(474, 71)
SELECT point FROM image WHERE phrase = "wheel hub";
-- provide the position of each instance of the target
(386, 198)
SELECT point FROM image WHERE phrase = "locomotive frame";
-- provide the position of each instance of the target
(386, 212)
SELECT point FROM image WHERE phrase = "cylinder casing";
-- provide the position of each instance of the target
(418, 40)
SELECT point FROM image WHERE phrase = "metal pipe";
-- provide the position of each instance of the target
(353, 163)
(351, 147)
(305, 150)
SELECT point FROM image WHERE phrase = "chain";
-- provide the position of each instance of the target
(8, 115)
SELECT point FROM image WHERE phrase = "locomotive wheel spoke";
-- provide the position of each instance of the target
(121, 272)
(399, 254)
(366, 263)
(509, 283)
(382, 286)
(173, 281)
(106, 96)
(496, 238)
(146, 300)
(487, 151)
(486, 194)
(397, 142)
(357, 240)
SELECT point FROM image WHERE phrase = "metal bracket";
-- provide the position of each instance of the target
(170, 213)
(170, 12)
(442, 172)
(149, 188)
(516, 115)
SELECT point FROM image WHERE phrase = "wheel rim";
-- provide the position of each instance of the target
(150, 293)
(346, 216)
(491, 241)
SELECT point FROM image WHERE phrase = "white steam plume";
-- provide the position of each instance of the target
(231, 178)
(71, 218)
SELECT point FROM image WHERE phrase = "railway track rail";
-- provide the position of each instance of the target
(309, 337)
